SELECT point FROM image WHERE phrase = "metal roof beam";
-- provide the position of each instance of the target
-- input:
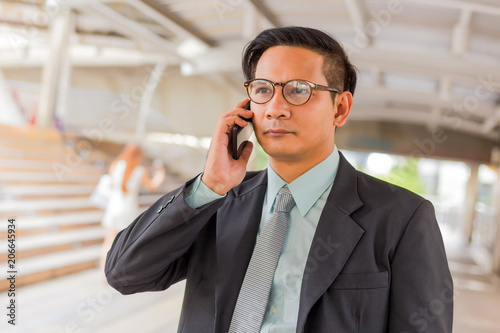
(164, 17)
(428, 65)
(470, 5)
(104, 57)
(125, 25)
(359, 13)
(425, 99)
(228, 59)
(407, 116)
(263, 15)
(491, 122)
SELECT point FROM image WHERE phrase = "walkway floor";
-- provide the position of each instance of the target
(83, 303)
(477, 292)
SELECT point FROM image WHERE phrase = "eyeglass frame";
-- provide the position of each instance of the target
(282, 84)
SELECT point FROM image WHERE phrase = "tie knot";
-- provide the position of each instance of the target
(284, 200)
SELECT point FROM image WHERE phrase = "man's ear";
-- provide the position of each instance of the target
(343, 108)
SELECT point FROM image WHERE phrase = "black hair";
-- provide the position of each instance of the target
(338, 70)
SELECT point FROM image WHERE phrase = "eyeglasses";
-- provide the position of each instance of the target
(295, 92)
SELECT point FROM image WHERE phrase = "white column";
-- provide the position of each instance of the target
(496, 246)
(149, 90)
(57, 69)
(470, 200)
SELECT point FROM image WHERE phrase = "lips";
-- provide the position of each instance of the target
(277, 132)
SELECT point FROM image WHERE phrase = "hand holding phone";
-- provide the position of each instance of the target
(239, 136)
(222, 172)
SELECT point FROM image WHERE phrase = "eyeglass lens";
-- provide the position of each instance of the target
(296, 92)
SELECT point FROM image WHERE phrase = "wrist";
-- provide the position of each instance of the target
(216, 187)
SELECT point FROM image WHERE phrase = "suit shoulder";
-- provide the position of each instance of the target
(394, 206)
(378, 189)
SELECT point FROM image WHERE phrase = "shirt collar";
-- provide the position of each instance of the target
(307, 188)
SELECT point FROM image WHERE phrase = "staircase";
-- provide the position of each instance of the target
(45, 181)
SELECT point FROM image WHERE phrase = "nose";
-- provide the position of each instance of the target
(278, 107)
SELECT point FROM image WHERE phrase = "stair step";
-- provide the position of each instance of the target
(11, 206)
(29, 206)
(20, 164)
(30, 133)
(57, 220)
(34, 155)
(47, 190)
(55, 260)
(48, 266)
(49, 156)
(75, 236)
(34, 146)
(58, 175)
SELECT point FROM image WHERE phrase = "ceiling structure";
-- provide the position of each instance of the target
(429, 63)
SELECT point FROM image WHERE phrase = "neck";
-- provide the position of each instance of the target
(292, 168)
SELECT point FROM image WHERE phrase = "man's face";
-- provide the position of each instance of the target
(290, 133)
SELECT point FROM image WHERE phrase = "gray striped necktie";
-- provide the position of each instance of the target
(254, 293)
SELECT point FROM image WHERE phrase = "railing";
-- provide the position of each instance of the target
(485, 227)
(447, 214)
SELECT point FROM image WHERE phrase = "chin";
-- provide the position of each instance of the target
(282, 153)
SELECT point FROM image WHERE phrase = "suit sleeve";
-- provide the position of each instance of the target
(421, 283)
(153, 252)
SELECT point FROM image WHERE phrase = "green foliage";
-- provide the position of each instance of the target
(260, 161)
(405, 174)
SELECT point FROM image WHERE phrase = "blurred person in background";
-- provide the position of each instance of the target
(127, 177)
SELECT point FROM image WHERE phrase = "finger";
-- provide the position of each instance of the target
(232, 120)
(239, 109)
(242, 103)
(242, 106)
(240, 122)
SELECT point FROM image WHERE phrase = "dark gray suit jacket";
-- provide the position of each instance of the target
(376, 264)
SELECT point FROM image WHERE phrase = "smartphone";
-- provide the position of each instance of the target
(239, 135)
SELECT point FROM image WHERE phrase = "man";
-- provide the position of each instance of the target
(356, 254)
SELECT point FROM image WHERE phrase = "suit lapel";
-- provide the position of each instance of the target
(336, 236)
(237, 226)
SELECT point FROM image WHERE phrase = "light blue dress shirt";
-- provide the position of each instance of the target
(310, 192)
